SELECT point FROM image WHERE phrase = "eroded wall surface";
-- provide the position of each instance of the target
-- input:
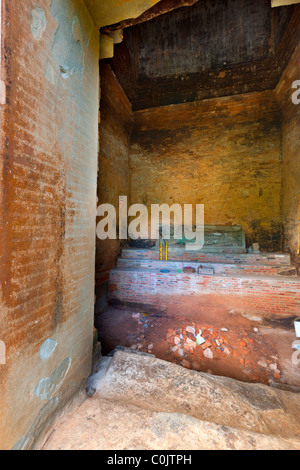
(48, 173)
(291, 152)
(224, 153)
(113, 179)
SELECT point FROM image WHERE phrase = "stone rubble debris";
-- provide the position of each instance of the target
(262, 364)
(206, 345)
(191, 345)
(196, 343)
(199, 340)
(208, 353)
(136, 315)
(191, 329)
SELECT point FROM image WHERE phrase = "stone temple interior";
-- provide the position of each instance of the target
(193, 111)
(156, 103)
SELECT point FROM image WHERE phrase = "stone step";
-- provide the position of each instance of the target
(141, 402)
(263, 294)
(274, 259)
(221, 269)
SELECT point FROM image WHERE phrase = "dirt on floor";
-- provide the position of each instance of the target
(208, 338)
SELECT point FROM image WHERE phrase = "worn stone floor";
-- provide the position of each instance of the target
(139, 402)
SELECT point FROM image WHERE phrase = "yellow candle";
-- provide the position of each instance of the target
(160, 252)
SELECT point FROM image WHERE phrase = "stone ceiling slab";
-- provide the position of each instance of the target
(106, 12)
(207, 50)
(283, 3)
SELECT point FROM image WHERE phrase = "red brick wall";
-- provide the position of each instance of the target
(48, 169)
(113, 177)
(261, 295)
(291, 153)
(223, 153)
(218, 269)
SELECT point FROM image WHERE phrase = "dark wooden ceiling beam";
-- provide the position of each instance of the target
(164, 6)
